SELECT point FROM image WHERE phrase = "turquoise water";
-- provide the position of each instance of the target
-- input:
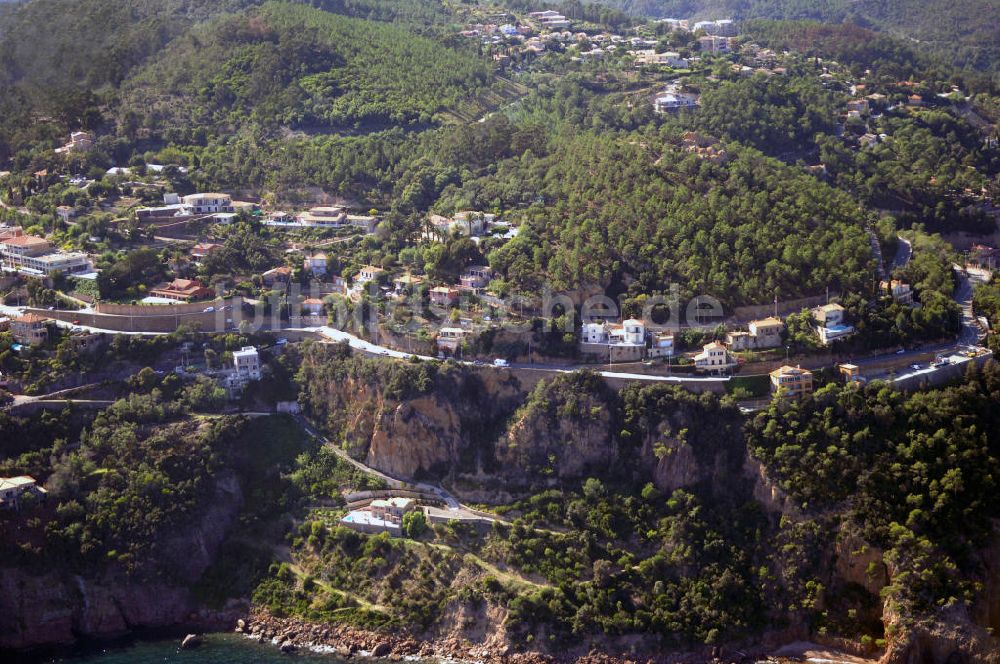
(216, 649)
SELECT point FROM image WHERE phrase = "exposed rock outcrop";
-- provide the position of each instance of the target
(53, 608)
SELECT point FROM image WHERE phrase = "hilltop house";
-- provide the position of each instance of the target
(14, 489)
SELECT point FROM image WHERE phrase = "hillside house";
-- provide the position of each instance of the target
(766, 332)
(831, 325)
(444, 296)
(368, 273)
(898, 290)
(713, 44)
(316, 264)
(34, 256)
(276, 276)
(791, 382)
(714, 358)
(79, 141)
(246, 361)
(762, 334)
(203, 250)
(183, 290)
(476, 277)
(649, 56)
(208, 203)
(312, 306)
(450, 338)
(14, 489)
(29, 329)
(333, 216)
(392, 509)
(662, 346)
(406, 283)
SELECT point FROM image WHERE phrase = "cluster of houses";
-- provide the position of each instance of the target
(626, 342)
(725, 27)
(631, 340)
(31, 255)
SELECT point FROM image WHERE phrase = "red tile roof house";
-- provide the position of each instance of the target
(312, 307)
(183, 290)
(203, 249)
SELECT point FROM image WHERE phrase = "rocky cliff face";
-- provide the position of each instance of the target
(52, 608)
(563, 431)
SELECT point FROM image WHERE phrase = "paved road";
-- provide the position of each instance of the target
(969, 334)
(904, 250)
(357, 343)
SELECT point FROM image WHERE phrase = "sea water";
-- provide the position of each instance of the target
(215, 649)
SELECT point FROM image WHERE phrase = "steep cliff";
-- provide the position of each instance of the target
(564, 430)
(44, 608)
(409, 420)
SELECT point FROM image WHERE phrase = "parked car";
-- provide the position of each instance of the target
(501, 363)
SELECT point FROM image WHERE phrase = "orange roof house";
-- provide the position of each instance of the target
(182, 290)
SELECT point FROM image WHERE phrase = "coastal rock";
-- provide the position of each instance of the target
(288, 647)
(382, 649)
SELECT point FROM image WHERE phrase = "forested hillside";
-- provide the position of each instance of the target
(294, 65)
(638, 212)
